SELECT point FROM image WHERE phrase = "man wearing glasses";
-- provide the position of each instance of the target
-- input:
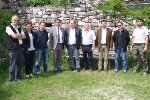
(121, 39)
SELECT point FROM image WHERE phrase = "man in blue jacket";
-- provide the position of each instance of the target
(42, 48)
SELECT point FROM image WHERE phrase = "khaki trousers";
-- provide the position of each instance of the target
(103, 52)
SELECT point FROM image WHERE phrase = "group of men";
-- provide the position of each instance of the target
(75, 39)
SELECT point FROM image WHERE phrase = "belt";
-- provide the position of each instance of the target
(72, 44)
(138, 44)
(20, 45)
(103, 44)
(87, 45)
(59, 43)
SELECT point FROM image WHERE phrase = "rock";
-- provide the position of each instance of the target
(28, 11)
(44, 16)
(40, 13)
(33, 21)
(53, 15)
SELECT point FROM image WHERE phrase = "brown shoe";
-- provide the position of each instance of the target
(84, 69)
(91, 70)
(99, 70)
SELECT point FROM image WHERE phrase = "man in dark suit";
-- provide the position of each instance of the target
(73, 41)
(56, 44)
(121, 39)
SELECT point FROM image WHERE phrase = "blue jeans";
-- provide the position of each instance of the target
(44, 53)
(124, 60)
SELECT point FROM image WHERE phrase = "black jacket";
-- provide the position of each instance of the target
(26, 41)
(11, 42)
(78, 35)
(125, 39)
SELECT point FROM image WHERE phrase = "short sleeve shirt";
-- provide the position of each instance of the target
(9, 31)
(139, 34)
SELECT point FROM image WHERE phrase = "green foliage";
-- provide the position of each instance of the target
(4, 21)
(45, 2)
(118, 9)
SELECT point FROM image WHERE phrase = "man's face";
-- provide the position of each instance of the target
(57, 23)
(42, 26)
(139, 23)
(72, 24)
(15, 20)
(104, 24)
(120, 26)
(86, 26)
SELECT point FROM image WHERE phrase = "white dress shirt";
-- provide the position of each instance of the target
(139, 34)
(72, 38)
(103, 37)
(9, 31)
(88, 37)
(60, 35)
(31, 43)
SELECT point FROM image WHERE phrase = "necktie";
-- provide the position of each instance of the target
(58, 36)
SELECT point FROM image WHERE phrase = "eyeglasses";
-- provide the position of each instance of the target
(119, 25)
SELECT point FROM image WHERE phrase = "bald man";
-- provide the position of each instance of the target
(88, 46)
(14, 45)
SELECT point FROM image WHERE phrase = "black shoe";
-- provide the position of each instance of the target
(19, 78)
(55, 71)
(72, 69)
(78, 69)
(60, 70)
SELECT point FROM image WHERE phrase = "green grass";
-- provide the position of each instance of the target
(69, 85)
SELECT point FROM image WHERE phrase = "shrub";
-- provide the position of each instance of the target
(4, 21)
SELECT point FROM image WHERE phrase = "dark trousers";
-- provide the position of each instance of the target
(57, 57)
(87, 55)
(15, 67)
(29, 61)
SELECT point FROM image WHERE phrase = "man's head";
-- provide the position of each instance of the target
(14, 20)
(86, 26)
(72, 23)
(57, 22)
(42, 26)
(104, 23)
(139, 22)
(120, 26)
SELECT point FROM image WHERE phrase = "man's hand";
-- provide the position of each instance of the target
(93, 49)
(52, 49)
(131, 49)
(145, 49)
(110, 49)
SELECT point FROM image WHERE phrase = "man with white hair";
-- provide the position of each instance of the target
(14, 45)
(88, 46)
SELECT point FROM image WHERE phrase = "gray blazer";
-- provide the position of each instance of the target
(54, 37)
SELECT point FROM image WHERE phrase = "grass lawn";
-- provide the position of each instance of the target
(71, 85)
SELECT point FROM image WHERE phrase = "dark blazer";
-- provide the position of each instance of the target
(78, 35)
(109, 41)
(125, 39)
(26, 41)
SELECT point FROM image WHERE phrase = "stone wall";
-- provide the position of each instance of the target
(49, 14)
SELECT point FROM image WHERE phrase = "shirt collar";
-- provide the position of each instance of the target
(15, 26)
(142, 27)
